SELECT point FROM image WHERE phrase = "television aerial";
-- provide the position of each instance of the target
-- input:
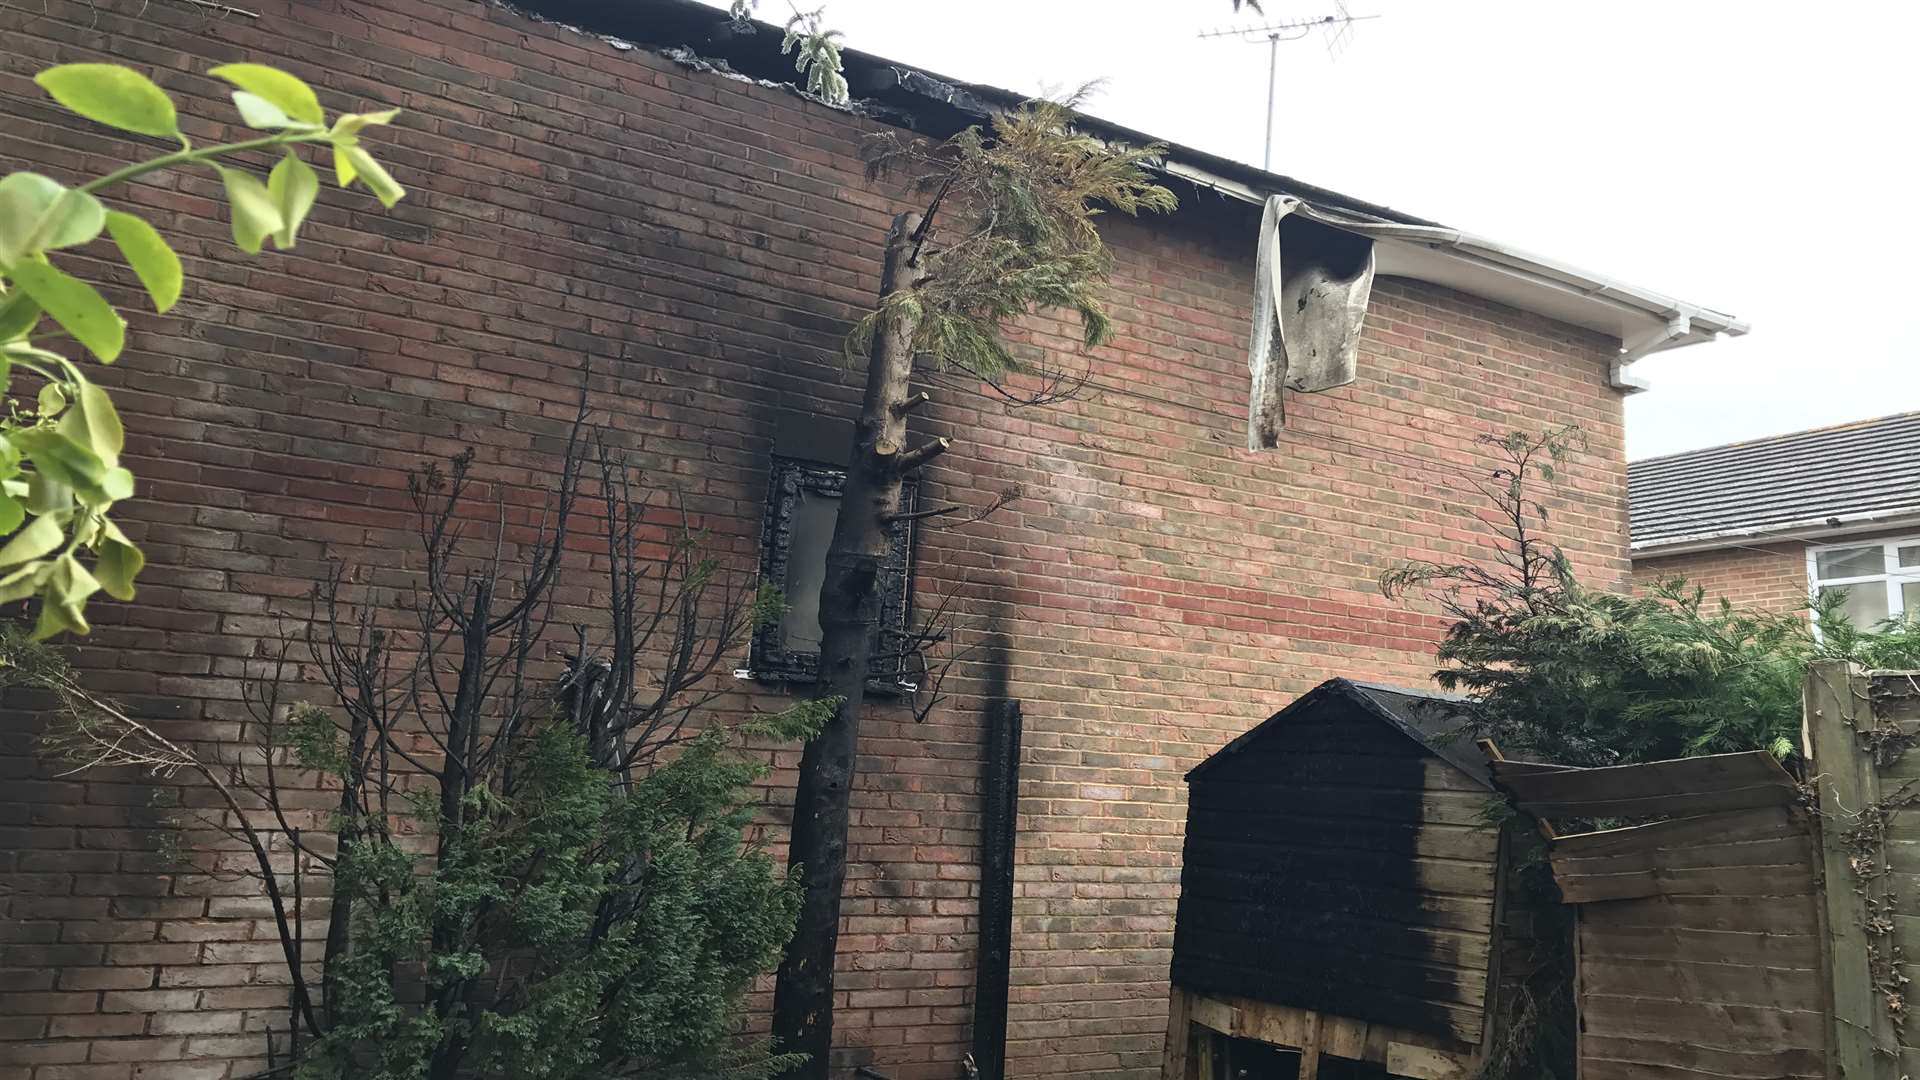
(1337, 29)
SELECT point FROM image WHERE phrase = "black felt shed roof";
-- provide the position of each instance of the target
(1428, 717)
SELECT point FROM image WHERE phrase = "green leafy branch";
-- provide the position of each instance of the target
(815, 49)
(60, 471)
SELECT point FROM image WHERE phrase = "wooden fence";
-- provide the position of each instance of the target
(1759, 926)
(1698, 948)
(1861, 733)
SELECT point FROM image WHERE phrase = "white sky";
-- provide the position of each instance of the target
(1753, 157)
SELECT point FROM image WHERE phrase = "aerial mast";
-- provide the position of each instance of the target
(1337, 27)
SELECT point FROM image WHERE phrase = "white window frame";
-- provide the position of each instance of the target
(1892, 576)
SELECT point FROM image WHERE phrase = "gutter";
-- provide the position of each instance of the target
(1827, 528)
(1644, 321)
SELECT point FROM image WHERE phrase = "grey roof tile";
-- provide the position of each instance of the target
(1797, 481)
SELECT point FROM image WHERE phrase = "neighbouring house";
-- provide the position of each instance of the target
(1774, 521)
(639, 186)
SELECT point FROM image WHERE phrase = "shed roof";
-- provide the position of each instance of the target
(1428, 717)
(1823, 481)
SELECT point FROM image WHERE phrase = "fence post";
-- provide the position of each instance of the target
(1843, 774)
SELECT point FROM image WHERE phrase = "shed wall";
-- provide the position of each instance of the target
(1335, 865)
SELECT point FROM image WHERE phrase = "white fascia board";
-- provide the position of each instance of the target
(1643, 321)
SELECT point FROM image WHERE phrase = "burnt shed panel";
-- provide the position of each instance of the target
(1335, 861)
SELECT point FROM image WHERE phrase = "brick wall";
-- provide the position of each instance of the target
(705, 242)
(1770, 576)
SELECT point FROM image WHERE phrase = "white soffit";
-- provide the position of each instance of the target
(1642, 321)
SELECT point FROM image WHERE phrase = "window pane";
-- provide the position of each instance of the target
(1850, 562)
(1910, 599)
(813, 518)
(1910, 555)
(1866, 603)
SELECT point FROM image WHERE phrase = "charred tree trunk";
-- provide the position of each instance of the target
(849, 617)
(456, 782)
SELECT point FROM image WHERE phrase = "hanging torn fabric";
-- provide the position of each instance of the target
(1311, 284)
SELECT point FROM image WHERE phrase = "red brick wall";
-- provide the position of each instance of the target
(1771, 576)
(706, 242)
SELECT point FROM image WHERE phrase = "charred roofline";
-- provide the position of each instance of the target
(1641, 321)
(886, 90)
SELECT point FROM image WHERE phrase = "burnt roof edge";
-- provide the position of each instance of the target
(1642, 321)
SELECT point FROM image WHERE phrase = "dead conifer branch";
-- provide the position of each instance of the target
(920, 455)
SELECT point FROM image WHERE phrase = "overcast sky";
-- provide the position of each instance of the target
(1749, 157)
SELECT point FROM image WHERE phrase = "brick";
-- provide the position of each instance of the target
(149, 1000)
(98, 1027)
(198, 1023)
(183, 1070)
(46, 1004)
(112, 978)
(1767, 576)
(41, 1053)
(139, 1050)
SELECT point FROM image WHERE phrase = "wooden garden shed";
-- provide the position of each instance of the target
(1341, 901)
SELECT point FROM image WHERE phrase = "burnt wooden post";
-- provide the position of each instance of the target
(1835, 701)
(1000, 808)
(1174, 1063)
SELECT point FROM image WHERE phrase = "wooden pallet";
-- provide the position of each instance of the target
(1403, 1053)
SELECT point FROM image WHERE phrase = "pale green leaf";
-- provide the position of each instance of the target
(284, 91)
(353, 123)
(23, 582)
(45, 494)
(75, 305)
(97, 424)
(343, 170)
(293, 186)
(376, 178)
(11, 513)
(73, 218)
(62, 459)
(25, 199)
(255, 217)
(117, 484)
(18, 315)
(113, 95)
(41, 536)
(148, 254)
(51, 399)
(258, 112)
(64, 600)
(119, 561)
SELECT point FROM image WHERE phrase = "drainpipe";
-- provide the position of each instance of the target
(1678, 326)
(1000, 806)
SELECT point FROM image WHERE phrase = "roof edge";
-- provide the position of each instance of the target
(1825, 528)
(1643, 321)
(1784, 436)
